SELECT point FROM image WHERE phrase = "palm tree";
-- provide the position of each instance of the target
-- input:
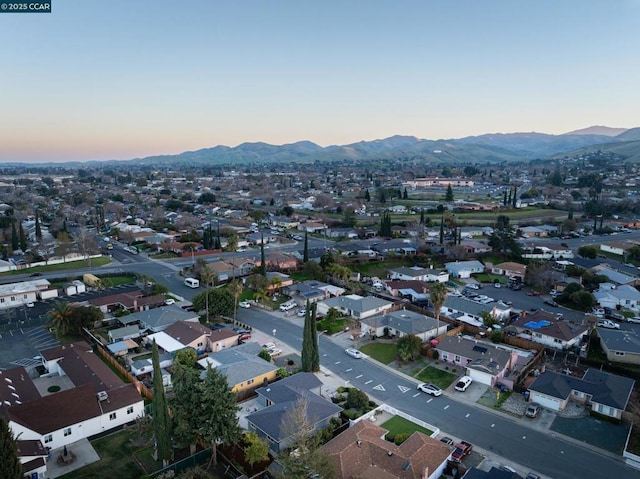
(208, 277)
(260, 295)
(437, 296)
(61, 317)
(275, 283)
(235, 288)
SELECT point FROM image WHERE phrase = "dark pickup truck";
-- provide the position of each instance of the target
(462, 450)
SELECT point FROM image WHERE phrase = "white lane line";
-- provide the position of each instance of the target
(369, 381)
(468, 414)
(447, 406)
(337, 362)
(358, 377)
(493, 425)
(349, 370)
(416, 395)
(430, 399)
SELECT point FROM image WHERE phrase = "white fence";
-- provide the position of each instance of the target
(370, 416)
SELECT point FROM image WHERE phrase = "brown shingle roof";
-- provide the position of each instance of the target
(187, 331)
(16, 385)
(360, 452)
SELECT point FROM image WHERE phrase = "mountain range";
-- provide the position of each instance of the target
(488, 148)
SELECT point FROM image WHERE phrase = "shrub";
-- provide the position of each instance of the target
(53, 389)
(400, 438)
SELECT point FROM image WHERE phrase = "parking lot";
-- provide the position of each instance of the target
(20, 346)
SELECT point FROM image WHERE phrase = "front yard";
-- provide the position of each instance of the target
(433, 375)
(383, 352)
(399, 425)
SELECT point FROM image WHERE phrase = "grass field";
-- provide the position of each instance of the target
(398, 425)
(440, 378)
(383, 352)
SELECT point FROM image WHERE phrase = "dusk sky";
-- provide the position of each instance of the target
(120, 79)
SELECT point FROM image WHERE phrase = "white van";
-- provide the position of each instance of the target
(192, 282)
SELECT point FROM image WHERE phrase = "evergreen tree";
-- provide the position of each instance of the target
(315, 356)
(367, 196)
(449, 194)
(161, 419)
(515, 195)
(10, 467)
(383, 197)
(305, 252)
(15, 242)
(307, 346)
(442, 229)
(38, 227)
(263, 258)
(570, 214)
(405, 195)
(23, 238)
(216, 412)
(509, 198)
(504, 201)
(422, 216)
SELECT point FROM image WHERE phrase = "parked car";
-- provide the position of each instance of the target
(532, 475)
(497, 285)
(634, 319)
(302, 312)
(447, 440)
(430, 389)
(30, 305)
(169, 301)
(463, 449)
(354, 353)
(244, 337)
(615, 316)
(533, 293)
(463, 383)
(532, 410)
(606, 323)
(551, 302)
(37, 273)
(244, 304)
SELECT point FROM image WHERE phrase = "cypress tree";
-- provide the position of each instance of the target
(307, 343)
(15, 242)
(10, 467)
(263, 260)
(23, 238)
(515, 191)
(442, 229)
(504, 201)
(161, 419)
(39, 228)
(305, 253)
(315, 356)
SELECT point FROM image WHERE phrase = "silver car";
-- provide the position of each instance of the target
(430, 389)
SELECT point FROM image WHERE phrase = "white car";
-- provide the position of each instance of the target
(607, 323)
(302, 312)
(633, 319)
(169, 301)
(463, 383)
(30, 305)
(354, 353)
(244, 304)
(430, 389)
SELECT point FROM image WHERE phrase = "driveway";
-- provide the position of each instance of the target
(596, 432)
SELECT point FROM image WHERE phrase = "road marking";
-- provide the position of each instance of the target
(524, 437)
(403, 389)
(430, 399)
(358, 377)
(416, 395)
(349, 370)
(379, 387)
(324, 355)
(468, 414)
(369, 381)
(447, 406)
(337, 362)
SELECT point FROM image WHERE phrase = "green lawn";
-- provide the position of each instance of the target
(383, 352)
(490, 278)
(398, 425)
(120, 280)
(116, 459)
(440, 378)
(51, 268)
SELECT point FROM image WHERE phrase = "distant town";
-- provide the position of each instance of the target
(352, 318)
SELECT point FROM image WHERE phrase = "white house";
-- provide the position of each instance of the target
(419, 274)
(13, 295)
(609, 295)
(355, 306)
(402, 323)
(464, 269)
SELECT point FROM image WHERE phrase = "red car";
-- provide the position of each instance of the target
(533, 293)
(462, 449)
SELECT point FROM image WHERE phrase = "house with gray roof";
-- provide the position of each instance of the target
(606, 393)
(620, 346)
(484, 362)
(467, 311)
(279, 401)
(547, 329)
(626, 296)
(402, 323)
(464, 269)
(419, 274)
(120, 334)
(354, 306)
(158, 319)
(616, 277)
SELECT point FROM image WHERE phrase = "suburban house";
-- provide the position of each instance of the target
(314, 254)
(533, 232)
(278, 280)
(616, 277)
(313, 291)
(158, 319)
(361, 451)
(223, 270)
(277, 260)
(474, 247)
(33, 457)
(484, 362)
(549, 330)
(618, 248)
(354, 306)
(468, 311)
(133, 301)
(92, 400)
(464, 269)
(545, 251)
(510, 269)
(342, 233)
(353, 250)
(280, 399)
(121, 334)
(194, 335)
(244, 369)
(417, 273)
(402, 323)
(413, 290)
(607, 394)
(608, 295)
(399, 247)
(620, 346)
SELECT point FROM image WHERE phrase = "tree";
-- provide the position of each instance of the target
(590, 252)
(263, 258)
(232, 241)
(357, 399)
(310, 354)
(314, 271)
(208, 278)
(305, 252)
(61, 319)
(15, 241)
(38, 227)
(186, 393)
(64, 245)
(304, 458)
(85, 316)
(218, 422)
(235, 288)
(503, 238)
(437, 296)
(583, 299)
(22, 238)
(220, 301)
(257, 282)
(10, 467)
(409, 347)
(256, 449)
(161, 419)
(449, 194)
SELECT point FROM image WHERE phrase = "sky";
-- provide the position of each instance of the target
(121, 79)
